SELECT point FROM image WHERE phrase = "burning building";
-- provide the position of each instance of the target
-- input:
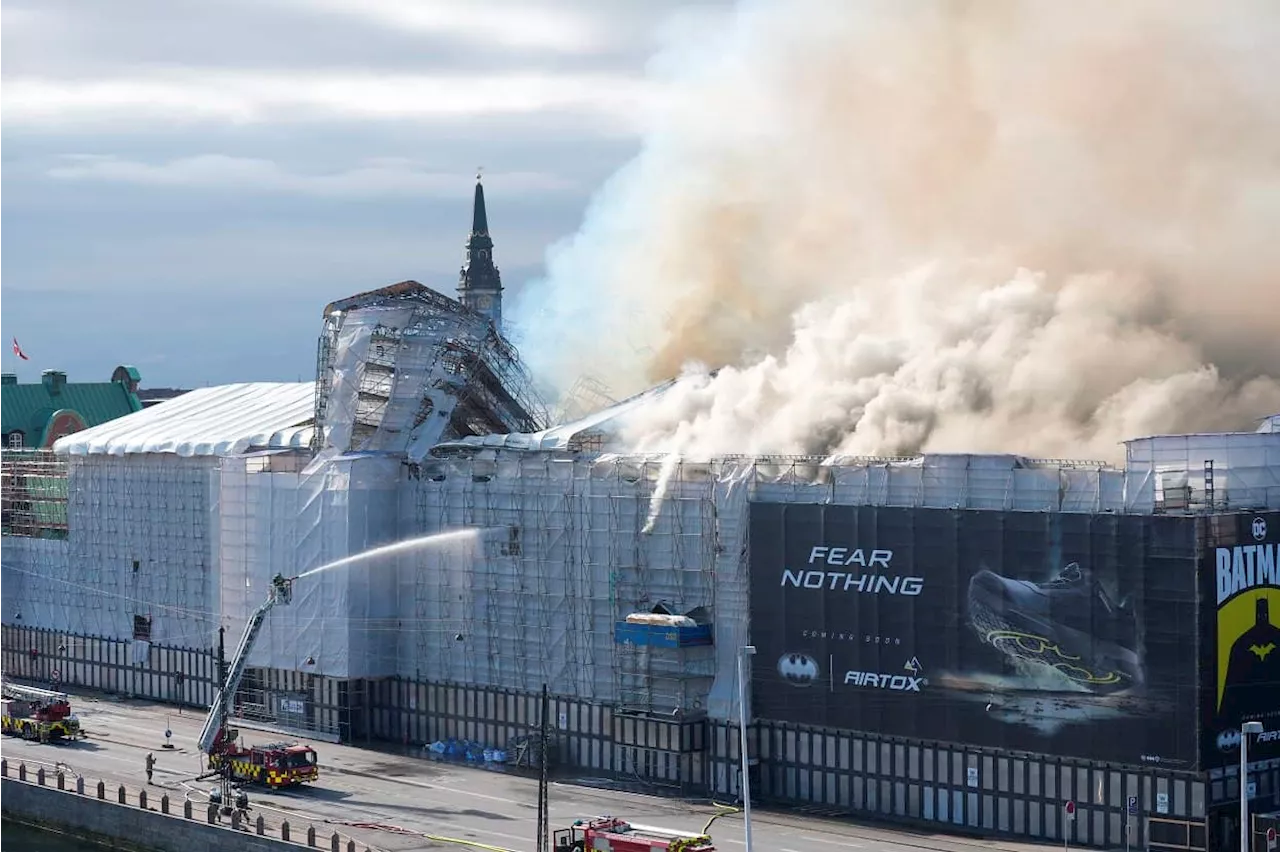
(955, 639)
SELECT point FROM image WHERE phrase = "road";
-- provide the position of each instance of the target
(431, 798)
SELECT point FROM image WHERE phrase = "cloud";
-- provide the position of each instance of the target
(245, 97)
(523, 24)
(371, 178)
(164, 154)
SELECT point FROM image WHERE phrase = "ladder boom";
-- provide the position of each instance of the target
(281, 592)
(31, 693)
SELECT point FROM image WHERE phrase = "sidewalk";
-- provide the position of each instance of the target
(156, 800)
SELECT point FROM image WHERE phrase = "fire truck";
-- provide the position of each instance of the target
(275, 765)
(616, 835)
(38, 714)
(281, 764)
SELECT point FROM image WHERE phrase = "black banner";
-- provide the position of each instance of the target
(1065, 634)
(1241, 620)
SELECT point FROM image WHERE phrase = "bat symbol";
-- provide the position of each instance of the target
(1263, 650)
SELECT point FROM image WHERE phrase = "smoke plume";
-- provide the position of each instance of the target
(891, 227)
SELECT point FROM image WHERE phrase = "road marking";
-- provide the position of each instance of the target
(847, 843)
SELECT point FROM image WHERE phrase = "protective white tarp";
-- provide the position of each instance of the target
(216, 421)
(563, 557)
(394, 376)
(139, 558)
(1216, 471)
(277, 519)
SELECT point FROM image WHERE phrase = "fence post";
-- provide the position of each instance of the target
(4, 766)
(284, 830)
(80, 785)
(22, 772)
(40, 776)
(311, 835)
(164, 804)
(123, 795)
(142, 799)
(335, 844)
(213, 814)
(62, 781)
(235, 820)
(186, 809)
(102, 791)
(262, 825)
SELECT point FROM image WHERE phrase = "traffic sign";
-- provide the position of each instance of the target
(1133, 806)
(1070, 808)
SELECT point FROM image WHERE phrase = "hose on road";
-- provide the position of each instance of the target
(724, 810)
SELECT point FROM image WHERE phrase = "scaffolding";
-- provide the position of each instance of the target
(1195, 474)
(577, 546)
(403, 368)
(33, 494)
(587, 395)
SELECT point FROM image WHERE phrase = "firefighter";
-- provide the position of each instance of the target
(151, 765)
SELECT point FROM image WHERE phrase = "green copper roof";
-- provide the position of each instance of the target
(30, 407)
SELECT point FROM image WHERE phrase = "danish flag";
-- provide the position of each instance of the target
(17, 350)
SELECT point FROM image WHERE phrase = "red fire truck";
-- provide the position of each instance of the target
(610, 834)
(38, 714)
(276, 765)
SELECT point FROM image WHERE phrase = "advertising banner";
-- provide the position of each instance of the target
(1065, 634)
(1241, 570)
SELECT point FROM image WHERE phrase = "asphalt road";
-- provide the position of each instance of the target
(425, 797)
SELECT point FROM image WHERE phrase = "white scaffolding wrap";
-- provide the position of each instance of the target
(277, 518)
(137, 563)
(564, 558)
(402, 368)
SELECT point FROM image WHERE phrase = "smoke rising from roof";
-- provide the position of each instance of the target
(1029, 227)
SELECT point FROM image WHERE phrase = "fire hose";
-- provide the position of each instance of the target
(724, 810)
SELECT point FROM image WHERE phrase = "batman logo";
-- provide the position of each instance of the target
(1229, 740)
(1263, 650)
(798, 669)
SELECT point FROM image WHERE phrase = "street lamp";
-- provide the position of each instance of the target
(1246, 730)
(743, 653)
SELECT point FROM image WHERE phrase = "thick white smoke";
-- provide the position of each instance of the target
(1034, 227)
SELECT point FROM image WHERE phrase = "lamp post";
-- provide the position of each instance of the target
(1247, 729)
(743, 653)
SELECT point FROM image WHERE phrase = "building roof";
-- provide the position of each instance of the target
(219, 421)
(603, 423)
(30, 408)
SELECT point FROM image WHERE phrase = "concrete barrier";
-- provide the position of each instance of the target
(138, 828)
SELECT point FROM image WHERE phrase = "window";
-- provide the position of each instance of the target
(142, 628)
(15, 440)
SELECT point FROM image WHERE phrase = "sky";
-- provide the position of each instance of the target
(187, 184)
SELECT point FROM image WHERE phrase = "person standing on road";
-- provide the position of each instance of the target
(151, 765)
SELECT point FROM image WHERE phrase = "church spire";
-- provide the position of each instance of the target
(479, 218)
(479, 284)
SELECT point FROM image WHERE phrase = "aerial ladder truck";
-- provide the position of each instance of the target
(38, 714)
(281, 764)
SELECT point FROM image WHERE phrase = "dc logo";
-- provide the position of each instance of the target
(1259, 529)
